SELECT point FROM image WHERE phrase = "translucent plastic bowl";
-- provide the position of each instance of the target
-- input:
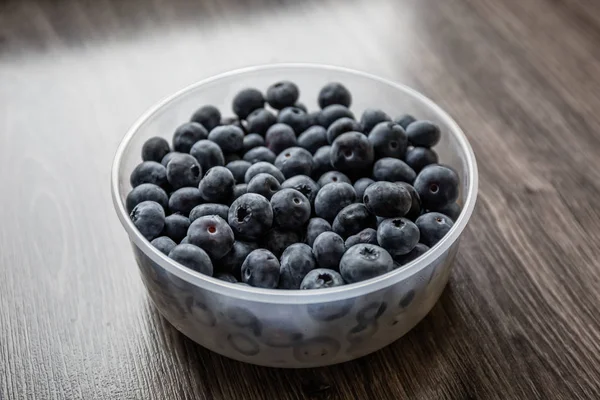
(293, 328)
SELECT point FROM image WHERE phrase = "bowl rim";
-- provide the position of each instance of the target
(297, 296)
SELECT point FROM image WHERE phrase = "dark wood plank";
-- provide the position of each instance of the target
(519, 318)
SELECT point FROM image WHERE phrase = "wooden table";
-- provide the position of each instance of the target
(520, 316)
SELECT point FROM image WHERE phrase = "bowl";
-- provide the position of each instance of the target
(295, 328)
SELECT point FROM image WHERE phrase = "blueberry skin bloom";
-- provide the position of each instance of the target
(149, 218)
(230, 138)
(154, 149)
(315, 227)
(387, 199)
(321, 278)
(182, 171)
(176, 227)
(423, 134)
(250, 216)
(296, 261)
(332, 197)
(146, 192)
(208, 154)
(184, 200)
(389, 140)
(217, 185)
(246, 101)
(393, 170)
(372, 117)
(164, 244)
(238, 168)
(304, 185)
(294, 161)
(328, 249)
(280, 137)
(253, 140)
(192, 257)
(365, 261)
(352, 151)
(296, 118)
(313, 138)
(282, 94)
(291, 209)
(151, 172)
(433, 227)
(186, 135)
(260, 120)
(261, 269)
(208, 116)
(437, 186)
(398, 236)
(334, 93)
(352, 219)
(264, 184)
(212, 234)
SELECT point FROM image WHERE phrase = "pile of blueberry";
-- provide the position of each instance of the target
(280, 197)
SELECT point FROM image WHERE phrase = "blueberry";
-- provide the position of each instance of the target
(352, 219)
(192, 257)
(314, 117)
(296, 261)
(212, 234)
(420, 157)
(263, 167)
(334, 93)
(217, 185)
(247, 101)
(321, 278)
(224, 276)
(371, 117)
(164, 244)
(294, 161)
(365, 261)
(315, 227)
(250, 216)
(209, 209)
(184, 200)
(415, 253)
(294, 117)
(452, 210)
(341, 126)
(258, 154)
(352, 151)
(313, 138)
(253, 140)
(233, 260)
(231, 157)
(146, 191)
(328, 249)
(388, 140)
(261, 269)
(393, 170)
(368, 235)
(282, 94)
(230, 138)
(182, 171)
(259, 121)
(333, 177)
(176, 227)
(398, 236)
(186, 135)
(151, 172)
(291, 209)
(185, 240)
(168, 157)
(208, 154)
(387, 199)
(301, 106)
(415, 201)
(154, 149)
(332, 197)
(235, 122)
(278, 239)
(361, 185)
(423, 133)
(207, 116)
(322, 161)
(149, 218)
(304, 185)
(238, 190)
(332, 113)
(437, 186)
(264, 184)
(433, 226)
(405, 120)
(279, 137)
(238, 169)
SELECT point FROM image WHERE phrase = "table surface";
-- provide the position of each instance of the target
(519, 318)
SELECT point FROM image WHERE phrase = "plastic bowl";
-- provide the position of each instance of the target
(294, 328)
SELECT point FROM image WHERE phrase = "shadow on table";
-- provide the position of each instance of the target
(415, 356)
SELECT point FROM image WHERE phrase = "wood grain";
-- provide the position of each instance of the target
(519, 319)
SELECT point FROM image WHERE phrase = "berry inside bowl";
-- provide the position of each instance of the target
(336, 312)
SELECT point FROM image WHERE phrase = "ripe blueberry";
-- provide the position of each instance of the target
(154, 149)
(420, 157)
(334, 93)
(321, 278)
(149, 218)
(361, 185)
(387, 199)
(372, 117)
(207, 116)
(291, 209)
(212, 234)
(368, 235)
(423, 133)
(437, 186)
(238, 169)
(315, 227)
(352, 219)
(322, 161)
(192, 257)
(184, 200)
(260, 120)
(328, 250)
(176, 227)
(282, 94)
(313, 138)
(296, 261)
(264, 184)
(279, 137)
(393, 170)
(263, 167)
(246, 101)
(202, 210)
(332, 197)
(433, 227)
(217, 185)
(352, 151)
(333, 177)
(146, 191)
(261, 269)
(253, 140)
(294, 117)
(260, 153)
(341, 126)
(398, 236)
(150, 172)
(294, 161)
(250, 216)
(365, 261)
(164, 244)
(332, 113)
(388, 140)
(183, 170)
(304, 185)
(186, 135)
